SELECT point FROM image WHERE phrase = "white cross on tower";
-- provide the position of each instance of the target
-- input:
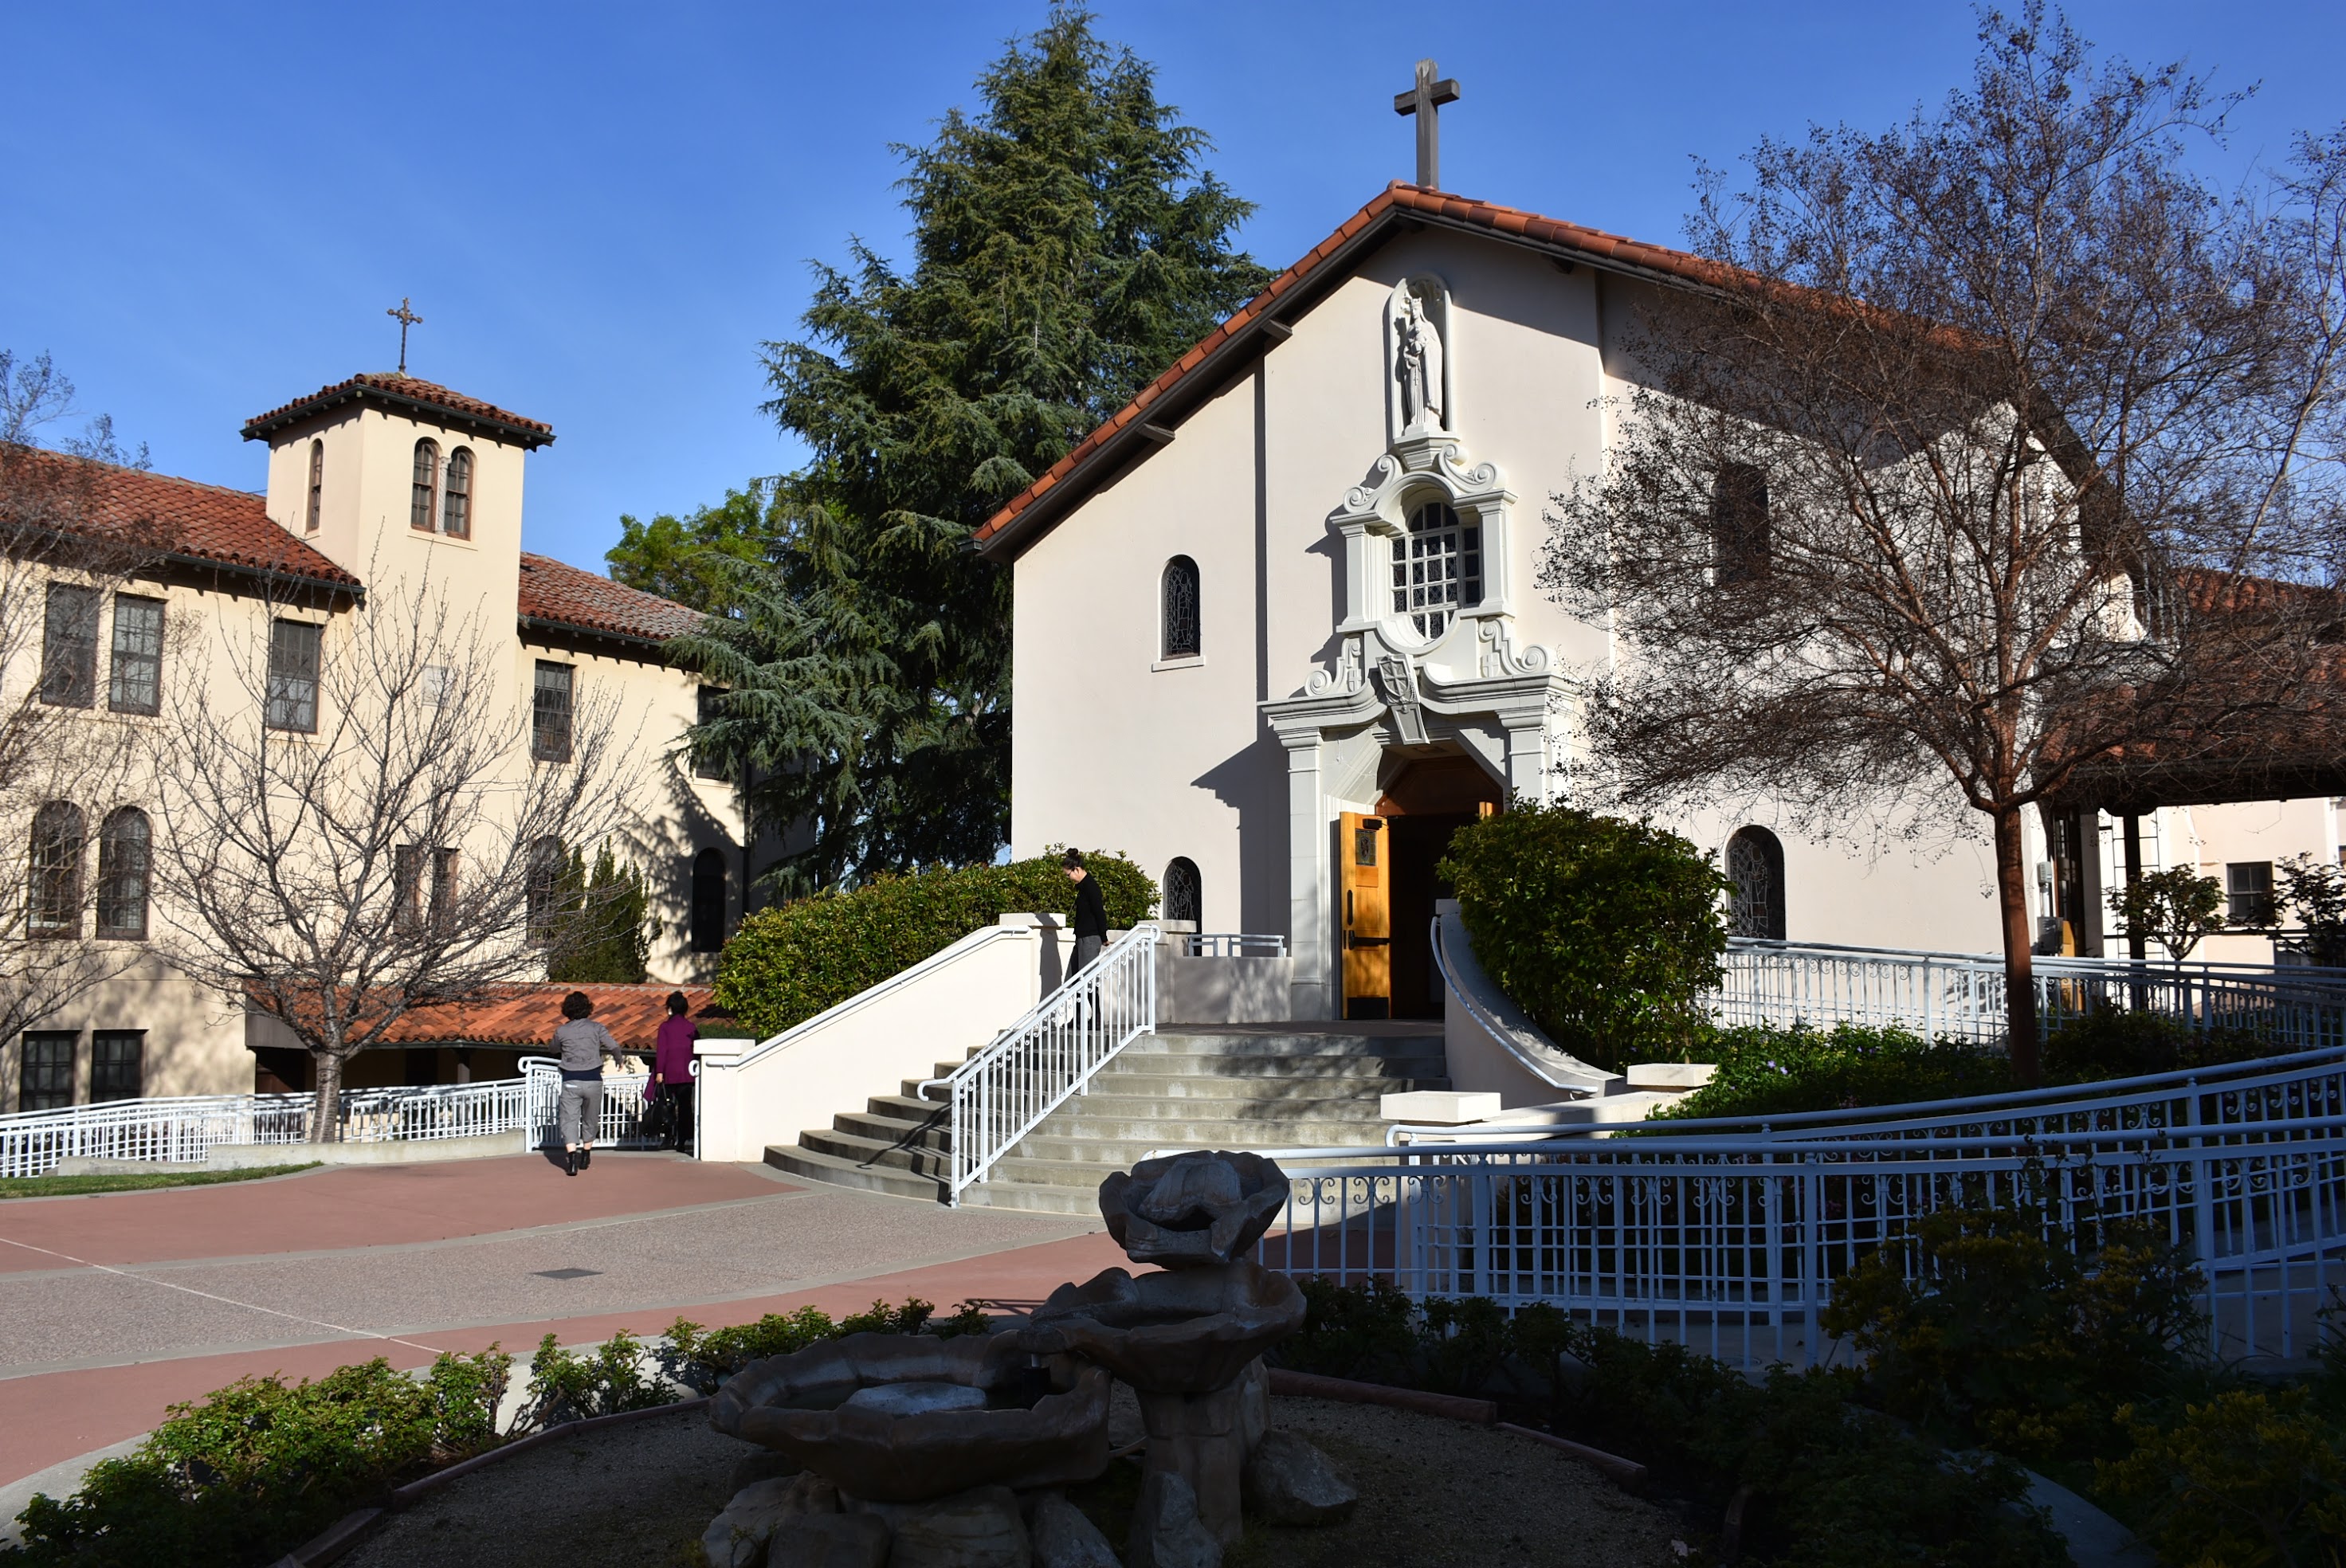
(1425, 101)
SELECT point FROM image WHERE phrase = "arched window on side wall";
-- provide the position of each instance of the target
(424, 501)
(1755, 873)
(60, 834)
(317, 483)
(708, 900)
(1183, 635)
(123, 855)
(456, 495)
(1184, 893)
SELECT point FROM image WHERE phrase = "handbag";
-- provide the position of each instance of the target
(659, 1114)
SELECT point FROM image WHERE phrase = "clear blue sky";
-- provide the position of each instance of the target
(602, 211)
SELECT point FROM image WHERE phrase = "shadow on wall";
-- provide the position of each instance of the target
(667, 853)
(1253, 783)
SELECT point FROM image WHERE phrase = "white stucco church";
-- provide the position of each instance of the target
(1279, 632)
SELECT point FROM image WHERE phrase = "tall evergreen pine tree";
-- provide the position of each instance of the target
(1069, 245)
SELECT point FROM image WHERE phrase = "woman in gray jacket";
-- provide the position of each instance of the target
(581, 1043)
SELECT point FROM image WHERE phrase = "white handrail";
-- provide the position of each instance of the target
(1565, 1072)
(1035, 1066)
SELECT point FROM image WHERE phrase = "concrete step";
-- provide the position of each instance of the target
(1181, 1042)
(1155, 1087)
(876, 1152)
(1212, 1075)
(797, 1160)
(1124, 1152)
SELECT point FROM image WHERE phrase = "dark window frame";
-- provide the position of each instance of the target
(1185, 890)
(1748, 916)
(2249, 893)
(407, 887)
(47, 1054)
(1741, 538)
(703, 765)
(316, 510)
(709, 892)
(125, 888)
(1181, 632)
(69, 646)
(551, 707)
(58, 851)
(127, 659)
(456, 495)
(423, 492)
(295, 656)
(542, 893)
(110, 1052)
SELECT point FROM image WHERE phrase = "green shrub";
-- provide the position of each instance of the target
(1768, 1071)
(788, 962)
(701, 1360)
(258, 1467)
(1606, 931)
(1995, 1326)
(573, 1386)
(2118, 1043)
(2246, 1477)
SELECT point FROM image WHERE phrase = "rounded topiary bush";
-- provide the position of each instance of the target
(1609, 933)
(788, 962)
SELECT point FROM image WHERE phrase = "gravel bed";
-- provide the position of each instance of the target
(1434, 1492)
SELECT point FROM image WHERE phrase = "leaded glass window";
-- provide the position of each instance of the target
(69, 646)
(293, 676)
(1755, 876)
(549, 713)
(1437, 568)
(135, 674)
(1184, 892)
(423, 500)
(457, 503)
(116, 1064)
(60, 834)
(123, 846)
(44, 1077)
(1183, 637)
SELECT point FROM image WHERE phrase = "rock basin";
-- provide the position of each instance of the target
(1187, 1330)
(866, 1412)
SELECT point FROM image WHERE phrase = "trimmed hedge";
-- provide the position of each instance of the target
(1606, 931)
(788, 962)
(1766, 1072)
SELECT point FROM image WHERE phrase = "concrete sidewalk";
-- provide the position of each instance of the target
(120, 1305)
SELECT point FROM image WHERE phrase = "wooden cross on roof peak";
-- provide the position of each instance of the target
(406, 318)
(1425, 101)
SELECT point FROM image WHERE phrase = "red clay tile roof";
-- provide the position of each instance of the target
(1397, 203)
(407, 395)
(527, 1016)
(154, 512)
(553, 594)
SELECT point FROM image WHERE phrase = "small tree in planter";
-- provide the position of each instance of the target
(1609, 933)
(2175, 907)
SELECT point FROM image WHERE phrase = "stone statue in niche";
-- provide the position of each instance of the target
(1418, 363)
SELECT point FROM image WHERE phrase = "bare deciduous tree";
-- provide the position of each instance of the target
(60, 556)
(348, 839)
(1996, 454)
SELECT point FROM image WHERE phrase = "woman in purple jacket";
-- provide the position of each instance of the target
(672, 1070)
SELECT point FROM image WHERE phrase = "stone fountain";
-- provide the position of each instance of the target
(923, 1452)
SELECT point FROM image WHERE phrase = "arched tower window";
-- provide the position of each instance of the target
(123, 846)
(1184, 895)
(60, 833)
(456, 498)
(1437, 568)
(317, 483)
(425, 501)
(708, 900)
(1755, 873)
(1183, 635)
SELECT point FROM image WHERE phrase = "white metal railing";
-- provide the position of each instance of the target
(1032, 1068)
(1962, 995)
(187, 1128)
(1230, 944)
(1731, 1243)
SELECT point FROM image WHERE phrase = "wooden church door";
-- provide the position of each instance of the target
(1368, 916)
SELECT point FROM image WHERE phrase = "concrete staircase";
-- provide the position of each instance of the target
(1230, 1087)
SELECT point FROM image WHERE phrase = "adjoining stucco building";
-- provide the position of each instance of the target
(377, 486)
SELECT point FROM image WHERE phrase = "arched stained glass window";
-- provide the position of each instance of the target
(1184, 892)
(424, 502)
(456, 497)
(708, 900)
(1437, 568)
(1755, 874)
(1183, 635)
(124, 854)
(60, 834)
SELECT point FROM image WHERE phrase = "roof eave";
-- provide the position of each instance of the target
(528, 437)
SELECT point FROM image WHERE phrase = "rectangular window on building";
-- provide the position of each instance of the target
(44, 1082)
(444, 886)
(135, 672)
(69, 646)
(549, 713)
(407, 885)
(1738, 525)
(2249, 892)
(117, 1064)
(710, 700)
(293, 676)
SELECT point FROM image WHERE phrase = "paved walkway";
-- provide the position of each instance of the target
(116, 1306)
